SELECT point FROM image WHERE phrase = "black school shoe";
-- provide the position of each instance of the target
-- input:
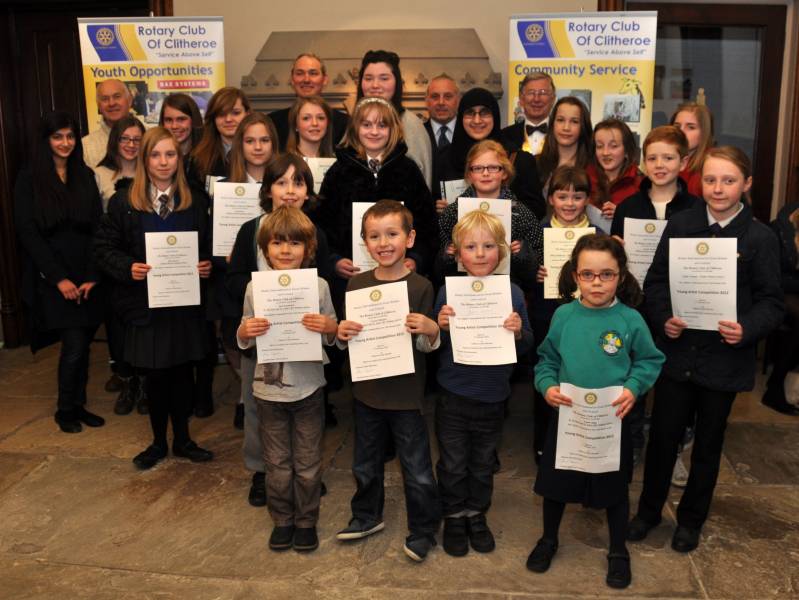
(68, 421)
(257, 495)
(776, 401)
(193, 452)
(480, 536)
(455, 540)
(282, 538)
(541, 557)
(148, 458)
(619, 573)
(126, 400)
(305, 539)
(417, 546)
(638, 529)
(87, 418)
(685, 539)
(358, 529)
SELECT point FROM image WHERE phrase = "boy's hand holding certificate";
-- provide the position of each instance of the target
(477, 329)
(283, 297)
(174, 278)
(558, 245)
(383, 347)
(234, 205)
(589, 431)
(703, 276)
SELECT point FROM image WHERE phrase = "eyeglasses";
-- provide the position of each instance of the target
(589, 276)
(471, 113)
(477, 169)
(537, 94)
(130, 140)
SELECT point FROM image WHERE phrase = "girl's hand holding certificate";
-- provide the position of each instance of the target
(138, 271)
(348, 330)
(204, 268)
(625, 403)
(674, 326)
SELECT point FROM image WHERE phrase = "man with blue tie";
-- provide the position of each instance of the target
(536, 98)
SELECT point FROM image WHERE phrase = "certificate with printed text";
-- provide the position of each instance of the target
(360, 255)
(234, 205)
(558, 245)
(383, 348)
(173, 279)
(481, 305)
(451, 190)
(589, 432)
(319, 167)
(703, 277)
(641, 238)
(283, 297)
(501, 209)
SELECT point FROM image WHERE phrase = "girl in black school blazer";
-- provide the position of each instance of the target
(705, 369)
(56, 210)
(161, 341)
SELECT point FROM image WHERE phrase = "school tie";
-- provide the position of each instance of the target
(163, 210)
(531, 129)
(715, 230)
(374, 165)
(443, 140)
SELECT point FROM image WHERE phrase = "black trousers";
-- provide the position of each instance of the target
(677, 403)
(468, 433)
(73, 366)
(169, 393)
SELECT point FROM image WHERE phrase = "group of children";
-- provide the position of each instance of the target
(284, 403)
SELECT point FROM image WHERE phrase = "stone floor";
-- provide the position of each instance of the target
(78, 521)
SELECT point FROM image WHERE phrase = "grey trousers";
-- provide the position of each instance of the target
(253, 448)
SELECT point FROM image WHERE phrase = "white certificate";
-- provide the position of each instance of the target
(589, 432)
(210, 183)
(703, 275)
(234, 205)
(319, 167)
(450, 190)
(283, 297)
(641, 238)
(558, 245)
(173, 279)
(383, 348)
(501, 209)
(360, 255)
(481, 305)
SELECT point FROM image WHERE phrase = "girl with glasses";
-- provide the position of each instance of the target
(119, 161)
(595, 342)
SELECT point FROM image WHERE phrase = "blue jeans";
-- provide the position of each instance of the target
(468, 433)
(373, 427)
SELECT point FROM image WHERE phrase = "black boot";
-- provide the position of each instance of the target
(126, 399)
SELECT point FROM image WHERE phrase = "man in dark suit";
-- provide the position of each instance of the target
(308, 78)
(536, 97)
(442, 100)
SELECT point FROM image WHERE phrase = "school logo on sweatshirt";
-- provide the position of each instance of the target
(611, 343)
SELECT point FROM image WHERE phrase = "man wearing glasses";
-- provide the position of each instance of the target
(308, 78)
(113, 101)
(536, 97)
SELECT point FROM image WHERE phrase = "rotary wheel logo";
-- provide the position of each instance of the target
(485, 206)
(239, 190)
(284, 280)
(569, 235)
(534, 33)
(702, 248)
(105, 36)
(375, 295)
(477, 286)
(171, 240)
(649, 228)
(590, 398)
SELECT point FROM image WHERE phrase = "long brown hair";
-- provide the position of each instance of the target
(139, 195)
(705, 119)
(185, 104)
(387, 114)
(550, 154)
(210, 149)
(630, 155)
(293, 140)
(238, 164)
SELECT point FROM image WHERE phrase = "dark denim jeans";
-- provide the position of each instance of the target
(73, 367)
(468, 433)
(373, 427)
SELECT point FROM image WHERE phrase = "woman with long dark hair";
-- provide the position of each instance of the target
(57, 208)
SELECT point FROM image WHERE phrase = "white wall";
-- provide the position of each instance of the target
(248, 23)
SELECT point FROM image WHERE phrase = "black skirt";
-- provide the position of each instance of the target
(173, 336)
(594, 490)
